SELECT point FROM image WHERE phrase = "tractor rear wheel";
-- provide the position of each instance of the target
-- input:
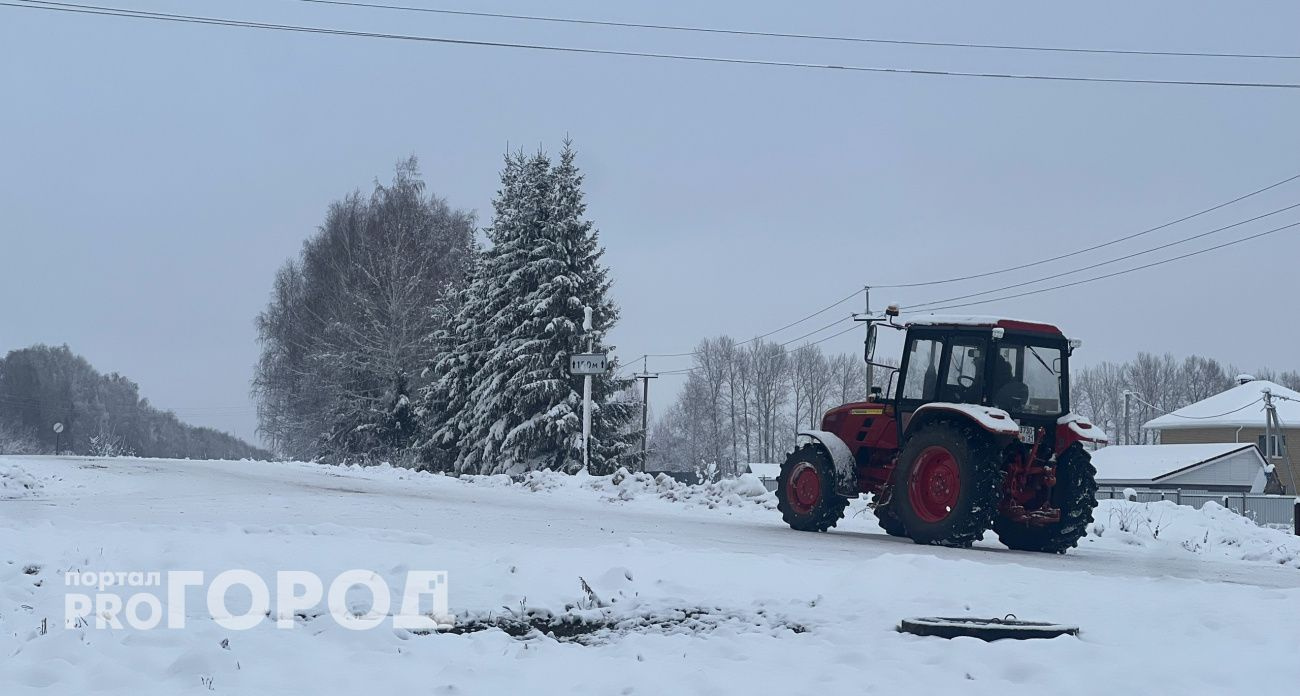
(888, 518)
(947, 484)
(805, 492)
(1075, 493)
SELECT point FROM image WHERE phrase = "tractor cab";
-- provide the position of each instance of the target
(1019, 367)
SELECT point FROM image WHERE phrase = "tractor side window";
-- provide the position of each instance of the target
(922, 370)
(1043, 377)
(965, 380)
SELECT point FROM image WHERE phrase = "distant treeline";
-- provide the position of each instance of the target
(1162, 383)
(101, 414)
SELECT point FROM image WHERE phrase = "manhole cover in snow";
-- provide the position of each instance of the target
(985, 629)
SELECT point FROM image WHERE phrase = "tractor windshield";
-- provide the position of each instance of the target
(1026, 379)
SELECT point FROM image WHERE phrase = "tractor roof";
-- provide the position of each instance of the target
(990, 322)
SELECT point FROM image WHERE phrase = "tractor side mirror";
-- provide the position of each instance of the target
(869, 352)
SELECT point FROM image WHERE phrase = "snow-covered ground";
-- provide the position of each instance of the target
(704, 590)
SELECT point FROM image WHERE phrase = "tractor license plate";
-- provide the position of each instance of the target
(1027, 433)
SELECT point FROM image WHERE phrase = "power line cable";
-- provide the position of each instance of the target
(796, 322)
(787, 35)
(782, 346)
(1117, 259)
(1118, 273)
(931, 305)
(100, 10)
(1142, 401)
(837, 322)
(1103, 245)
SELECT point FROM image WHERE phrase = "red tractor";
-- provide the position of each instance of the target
(976, 433)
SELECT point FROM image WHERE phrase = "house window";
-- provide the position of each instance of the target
(1274, 448)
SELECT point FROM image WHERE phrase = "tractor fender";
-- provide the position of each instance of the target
(994, 420)
(1072, 428)
(846, 468)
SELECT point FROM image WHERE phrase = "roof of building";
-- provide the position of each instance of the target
(762, 470)
(979, 320)
(1241, 406)
(1132, 463)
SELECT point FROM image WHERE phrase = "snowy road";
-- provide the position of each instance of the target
(209, 493)
(1157, 603)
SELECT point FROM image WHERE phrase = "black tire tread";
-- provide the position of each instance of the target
(831, 508)
(984, 492)
(888, 518)
(1075, 494)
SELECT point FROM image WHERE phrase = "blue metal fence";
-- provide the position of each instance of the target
(1265, 510)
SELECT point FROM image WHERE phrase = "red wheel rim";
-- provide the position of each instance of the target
(805, 486)
(934, 485)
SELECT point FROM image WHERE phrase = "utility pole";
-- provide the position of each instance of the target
(586, 394)
(866, 299)
(645, 378)
(1274, 448)
(1269, 414)
(1124, 433)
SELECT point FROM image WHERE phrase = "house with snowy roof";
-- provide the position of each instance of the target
(1238, 416)
(1224, 467)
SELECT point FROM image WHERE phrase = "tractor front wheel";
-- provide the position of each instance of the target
(805, 492)
(947, 484)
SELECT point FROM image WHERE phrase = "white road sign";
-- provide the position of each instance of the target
(588, 364)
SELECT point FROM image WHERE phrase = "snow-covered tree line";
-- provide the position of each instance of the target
(395, 336)
(102, 414)
(744, 403)
(1162, 381)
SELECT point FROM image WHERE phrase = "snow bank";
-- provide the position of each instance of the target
(17, 482)
(1212, 531)
(745, 491)
(1160, 528)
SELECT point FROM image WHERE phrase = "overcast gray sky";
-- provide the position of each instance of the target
(154, 176)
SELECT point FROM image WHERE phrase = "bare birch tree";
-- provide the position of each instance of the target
(348, 328)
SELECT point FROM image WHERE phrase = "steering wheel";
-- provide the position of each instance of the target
(966, 381)
(1012, 396)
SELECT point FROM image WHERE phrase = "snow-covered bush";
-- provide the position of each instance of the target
(109, 444)
(17, 482)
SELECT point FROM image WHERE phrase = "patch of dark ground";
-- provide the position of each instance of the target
(599, 626)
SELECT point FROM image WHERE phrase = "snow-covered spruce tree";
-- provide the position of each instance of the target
(503, 400)
(444, 406)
